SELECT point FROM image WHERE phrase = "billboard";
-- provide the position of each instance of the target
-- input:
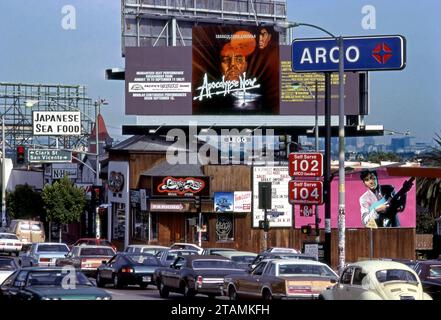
(280, 214)
(56, 123)
(357, 197)
(165, 81)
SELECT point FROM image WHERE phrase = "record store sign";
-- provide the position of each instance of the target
(56, 123)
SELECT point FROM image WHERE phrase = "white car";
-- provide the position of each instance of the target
(7, 267)
(377, 280)
(10, 243)
(187, 246)
(145, 248)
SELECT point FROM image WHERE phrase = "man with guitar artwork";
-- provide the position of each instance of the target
(381, 203)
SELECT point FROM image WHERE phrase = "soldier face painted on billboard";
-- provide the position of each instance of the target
(235, 71)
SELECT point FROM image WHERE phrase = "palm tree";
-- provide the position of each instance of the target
(429, 189)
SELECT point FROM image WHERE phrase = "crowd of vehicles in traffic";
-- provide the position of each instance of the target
(40, 270)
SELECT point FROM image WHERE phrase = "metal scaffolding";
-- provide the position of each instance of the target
(18, 100)
(169, 22)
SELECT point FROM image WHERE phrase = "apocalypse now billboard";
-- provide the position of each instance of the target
(229, 70)
(361, 202)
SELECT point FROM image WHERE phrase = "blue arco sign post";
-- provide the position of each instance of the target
(369, 53)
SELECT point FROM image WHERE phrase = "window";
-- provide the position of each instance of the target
(225, 227)
(272, 270)
(258, 270)
(97, 252)
(214, 264)
(7, 265)
(358, 277)
(435, 271)
(52, 248)
(8, 236)
(395, 275)
(347, 276)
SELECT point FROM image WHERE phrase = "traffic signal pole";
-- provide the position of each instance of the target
(327, 169)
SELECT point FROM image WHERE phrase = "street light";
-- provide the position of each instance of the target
(341, 134)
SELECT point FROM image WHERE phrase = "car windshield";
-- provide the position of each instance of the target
(147, 260)
(97, 252)
(52, 248)
(435, 271)
(7, 264)
(243, 259)
(8, 236)
(56, 278)
(214, 264)
(395, 275)
(305, 270)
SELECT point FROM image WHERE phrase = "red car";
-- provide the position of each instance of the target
(94, 242)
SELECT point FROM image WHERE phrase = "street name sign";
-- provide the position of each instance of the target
(305, 192)
(49, 156)
(305, 164)
(368, 53)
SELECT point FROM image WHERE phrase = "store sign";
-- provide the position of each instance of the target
(56, 123)
(242, 201)
(118, 180)
(279, 178)
(180, 186)
(168, 207)
(61, 170)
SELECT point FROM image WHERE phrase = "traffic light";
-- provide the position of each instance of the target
(306, 230)
(21, 154)
(97, 195)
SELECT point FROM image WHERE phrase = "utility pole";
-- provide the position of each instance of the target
(3, 222)
(316, 131)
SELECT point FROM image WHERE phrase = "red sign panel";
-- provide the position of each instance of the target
(305, 192)
(306, 164)
(306, 210)
(180, 186)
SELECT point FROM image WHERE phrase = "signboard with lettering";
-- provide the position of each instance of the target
(49, 155)
(172, 186)
(242, 201)
(279, 178)
(61, 170)
(56, 123)
(305, 164)
(305, 192)
(168, 207)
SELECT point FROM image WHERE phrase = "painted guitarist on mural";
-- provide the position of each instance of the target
(380, 204)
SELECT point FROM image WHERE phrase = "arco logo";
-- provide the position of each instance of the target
(382, 53)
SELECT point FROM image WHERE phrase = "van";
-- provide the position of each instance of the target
(28, 231)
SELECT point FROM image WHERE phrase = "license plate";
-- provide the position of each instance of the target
(146, 279)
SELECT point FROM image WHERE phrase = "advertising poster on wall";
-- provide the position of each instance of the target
(242, 201)
(280, 214)
(223, 201)
(361, 202)
(235, 70)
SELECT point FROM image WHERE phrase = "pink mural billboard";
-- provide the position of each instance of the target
(360, 201)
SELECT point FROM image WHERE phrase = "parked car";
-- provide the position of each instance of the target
(429, 272)
(28, 231)
(128, 269)
(280, 255)
(42, 254)
(377, 280)
(187, 246)
(190, 275)
(7, 267)
(10, 243)
(209, 251)
(281, 279)
(145, 248)
(167, 257)
(87, 258)
(94, 242)
(243, 259)
(46, 283)
(281, 249)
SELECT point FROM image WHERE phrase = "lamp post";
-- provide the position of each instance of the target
(341, 133)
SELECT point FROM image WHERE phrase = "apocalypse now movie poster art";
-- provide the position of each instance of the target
(235, 70)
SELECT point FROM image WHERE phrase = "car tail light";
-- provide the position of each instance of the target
(127, 270)
(199, 281)
(17, 244)
(45, 259)
(2, 244)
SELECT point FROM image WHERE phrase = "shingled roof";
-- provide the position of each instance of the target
(167, 169)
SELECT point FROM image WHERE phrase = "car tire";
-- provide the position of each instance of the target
(163, 290)
(99, 281)
(188, 292)
(143, 285)
(232, 294)
(117, 282)
(266, 295)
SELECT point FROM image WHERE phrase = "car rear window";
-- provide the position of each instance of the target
(52, 248)
(246, 259)
(214, 264)
(144, 259)
(8, 236)
(97, 252)
(395, 275)
(55, 278)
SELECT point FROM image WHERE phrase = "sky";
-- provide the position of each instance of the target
(35, 48)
